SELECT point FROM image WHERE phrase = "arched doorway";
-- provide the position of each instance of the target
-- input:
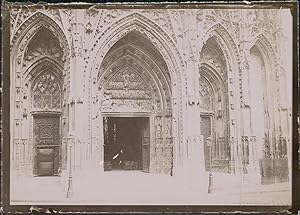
(39, 92)
(214, 106)
(46, 89)
(134, 92)
(273, 144)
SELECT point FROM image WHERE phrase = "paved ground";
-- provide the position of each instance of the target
(133, 187)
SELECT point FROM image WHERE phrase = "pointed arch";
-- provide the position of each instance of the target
(146, 27)
(43, 80)
(268, 71)
(163, 44)
(30, 27)
(266, 49)
(39, 66)
(226, 42)
(225, 132)
(33, 25)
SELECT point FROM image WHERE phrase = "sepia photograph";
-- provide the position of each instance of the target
(146, 106)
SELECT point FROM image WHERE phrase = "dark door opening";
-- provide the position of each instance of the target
(206, 132)
(126, 143)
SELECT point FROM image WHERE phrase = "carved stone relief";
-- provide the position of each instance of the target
(127, 88)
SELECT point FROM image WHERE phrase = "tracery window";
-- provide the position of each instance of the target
(46, 92)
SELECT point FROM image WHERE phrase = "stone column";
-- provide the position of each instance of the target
(245, 105)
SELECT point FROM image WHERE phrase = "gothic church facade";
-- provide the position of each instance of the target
(146, 89)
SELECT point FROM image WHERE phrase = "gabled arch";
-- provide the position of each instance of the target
(20, 41)
(151, 31)
(30, 27)
(266, 49)
(268, 54)
(227, 44)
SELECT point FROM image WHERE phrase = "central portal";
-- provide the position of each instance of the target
(135, 98)
(126, 143)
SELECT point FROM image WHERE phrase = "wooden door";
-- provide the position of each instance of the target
(206, 131)
(146, 145)
(109, 138)
(46, 145)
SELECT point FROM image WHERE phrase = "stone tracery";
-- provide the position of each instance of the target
(46, 92)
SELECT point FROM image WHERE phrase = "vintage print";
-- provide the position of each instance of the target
(129, 106)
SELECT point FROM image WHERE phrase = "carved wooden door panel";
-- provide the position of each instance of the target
(146, 145)
(46, 145)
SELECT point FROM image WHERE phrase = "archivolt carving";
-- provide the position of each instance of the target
(266, 48)
(152, 61)
(226, 42)
(141, 24)
(270, 59)
(212, 55)
(230, 19)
